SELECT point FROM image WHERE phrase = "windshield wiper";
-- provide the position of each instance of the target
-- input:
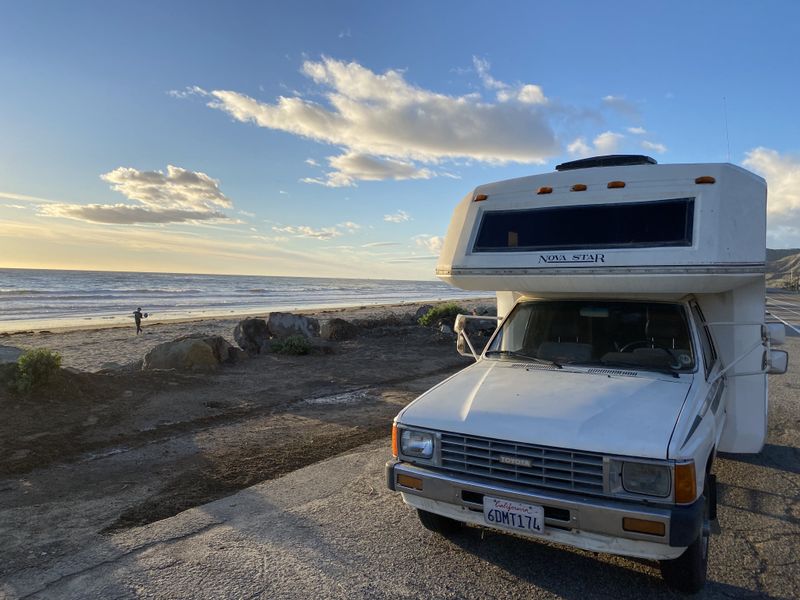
(514, 354)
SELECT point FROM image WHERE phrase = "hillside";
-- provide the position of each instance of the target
(779, 253)
(781, 264)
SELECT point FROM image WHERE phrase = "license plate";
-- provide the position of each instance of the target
(510, 514)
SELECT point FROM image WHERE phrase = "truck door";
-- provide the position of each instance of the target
(713, 406)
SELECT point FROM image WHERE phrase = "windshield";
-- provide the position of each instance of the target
(640, 335)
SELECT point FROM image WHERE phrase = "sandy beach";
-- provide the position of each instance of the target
(104, 450)
(91, 348)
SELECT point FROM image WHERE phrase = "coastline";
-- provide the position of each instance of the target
(98, 346)
(43, 326)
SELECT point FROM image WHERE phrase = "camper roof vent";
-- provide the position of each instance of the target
(611, 160)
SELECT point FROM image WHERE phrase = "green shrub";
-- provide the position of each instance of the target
(35, 368)
(447, 312)
(294, 344)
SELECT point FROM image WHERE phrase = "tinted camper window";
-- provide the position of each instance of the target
(636, 224)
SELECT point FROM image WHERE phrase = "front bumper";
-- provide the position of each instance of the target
(582, 521)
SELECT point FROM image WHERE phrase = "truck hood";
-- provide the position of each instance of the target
(566, 408)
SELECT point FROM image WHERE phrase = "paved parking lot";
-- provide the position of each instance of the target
(785, 307)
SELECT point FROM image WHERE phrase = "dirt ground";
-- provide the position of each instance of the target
(98, 452)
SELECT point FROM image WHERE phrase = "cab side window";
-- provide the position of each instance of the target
(706, 341)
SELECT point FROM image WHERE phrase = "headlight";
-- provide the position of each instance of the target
(418, 444)
(646, 478)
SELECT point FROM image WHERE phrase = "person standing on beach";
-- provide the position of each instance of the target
(137, 316)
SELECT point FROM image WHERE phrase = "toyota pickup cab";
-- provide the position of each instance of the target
(631, 347)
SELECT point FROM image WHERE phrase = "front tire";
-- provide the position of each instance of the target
(438, 523)
(687, 573)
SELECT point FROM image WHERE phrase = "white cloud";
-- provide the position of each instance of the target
(125, 214)
(312, 162)
(654, 146)
(379, 118)
(783, 178)
(782, 173)
(27, 198)
(524, 93)
(637, 130)
(482, 68)
(15, 206)
(412, 259)
(432, 243)
(400, 216)
(579, 147)
(178, 196)
(608, 142)
(185, 93)
(379, 244)
(349, 226)
(325, 233)
(351, 167)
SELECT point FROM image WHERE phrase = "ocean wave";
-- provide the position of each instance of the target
(74, 295)
(23, 292)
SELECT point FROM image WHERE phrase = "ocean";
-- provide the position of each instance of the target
(34, 299)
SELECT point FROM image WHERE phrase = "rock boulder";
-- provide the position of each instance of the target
(197, 352)
(9, 354)
(251, 335)
(338, 330)
(283, 325)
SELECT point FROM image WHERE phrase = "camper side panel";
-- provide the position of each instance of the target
(745, 398)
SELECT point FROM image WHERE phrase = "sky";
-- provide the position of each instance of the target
(335, 138)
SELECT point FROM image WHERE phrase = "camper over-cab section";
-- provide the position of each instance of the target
(596, 225)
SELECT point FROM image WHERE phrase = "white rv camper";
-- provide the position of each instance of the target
(631, 348)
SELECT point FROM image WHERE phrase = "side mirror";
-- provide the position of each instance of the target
(777, 362)
(775, 333)
(462, 346)
(460, 324)
(482, 326)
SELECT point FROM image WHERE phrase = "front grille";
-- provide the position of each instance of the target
(550, 468)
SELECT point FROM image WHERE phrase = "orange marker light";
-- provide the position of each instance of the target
(480, 197)
(415, 483)
(643, 526)
(394, 440)
(616, 184)
(685, 483)
(545, 190)
(578, 187)
(705, 179)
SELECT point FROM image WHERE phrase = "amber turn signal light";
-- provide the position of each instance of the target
(616, 184)
(415, 483)
(480, 197)
(394, 440)
(685, 483)
(643, 526)
(545, 190)
(578, 187)
(705, 179)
